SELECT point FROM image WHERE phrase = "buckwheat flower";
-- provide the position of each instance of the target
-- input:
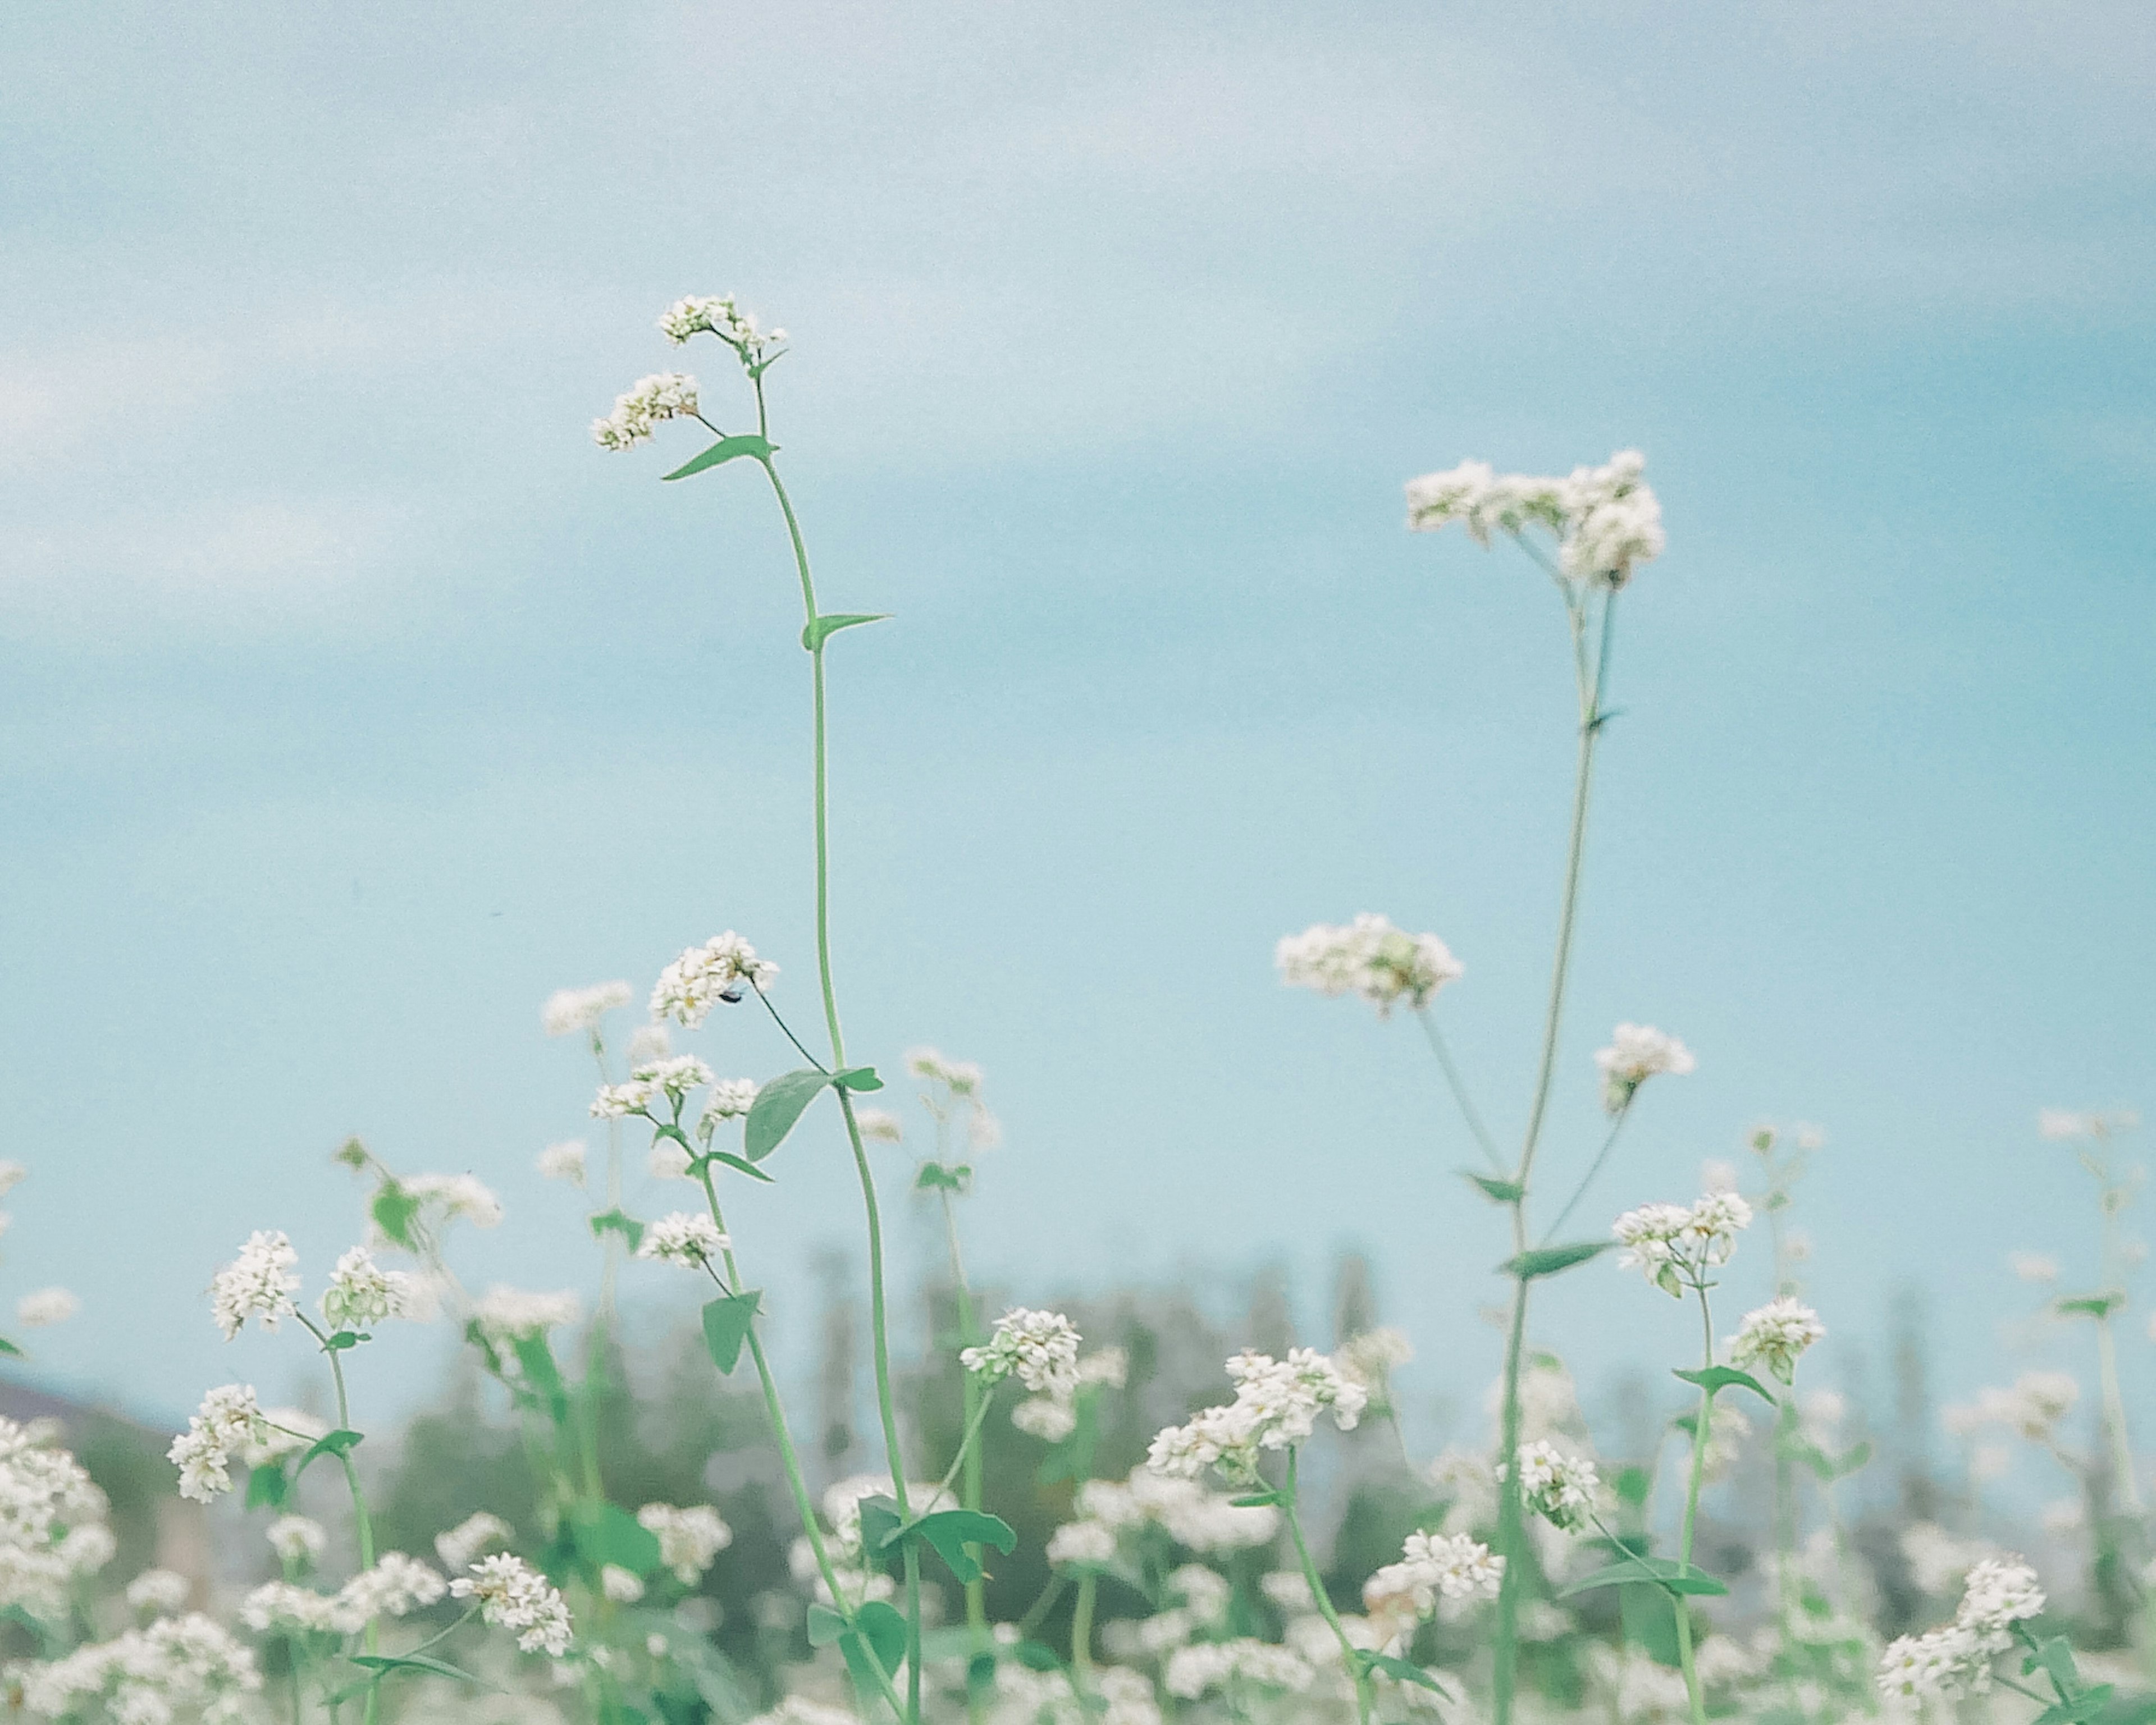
(1557, 1486)
(1108, 1368)
(618, 1102)
(285, 1608)
(1371, 1358)
(508, 1315)
(158, 1593)
(732, 1098)
(1369, 957)
(1716, 1175)
(1775, 1336)
(673, 1078)
(1049, 1418)
(2064, 1123)
(1997, 1593)
(648, 1042)
(1674, 1246)
(396, 1586)
(667, 1159)
(512, 1596)
(1288, 1589)
(568, 1010)
(721, 317)
(879, 1126)
(1193, 1671)
(689, 1538)
(47, 1306)
(86, 1550)
(563, 1161)
(295, 1540)
(1635, 1054)
(684, 1238)
(458, 1547)
(664, 395)
(361, 1292)
(1461, 1567)
(1612, 521)
(455, 1198)
(1944, 1665)
(962, 1078)
(1041, 1347)
(228, 1418)
(624, 1587)
(11, 1175)
(258, 1283)
(725, 967)
(1081, 1542)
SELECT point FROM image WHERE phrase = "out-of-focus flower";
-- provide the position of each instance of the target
(1367, 956)
(1635, 1054)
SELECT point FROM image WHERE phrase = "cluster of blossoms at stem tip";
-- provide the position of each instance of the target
(229, 1422)
(361, 1292)
(1955, 1660)
(1432, 1566)
(53, 1529)
(1213, 1665)
(1040, 1349)
(1635, 1054)
(513, 1596)
(259, 1283)
(669, 1080)
(637, 410)
(1556, 1485)
(1052, 1415)
(1775, 1336)
(689, 1538)
(684, 1238)
(724, 968)
(395, 1586)
(1209, 1522)
(565, 1161)
(461, 1543)
(717, 313)
(297, 1539)
(1277, 1403)
(568, 1010)
(2064, 1124)
(1605, 519)
(176, 1666)
(506, 1316)
(1367, 956)
(1674, 1246)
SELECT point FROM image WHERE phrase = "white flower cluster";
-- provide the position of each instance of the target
(638, 410)
(45, 1306)
(1367, 956)
(458, 1547)
(1956, 1661)
(1606, 520)
(258, 1283)
(229, 1420)
(53, 1528)
(2062, 1124)
(1674, 1246)
(1041, 1347)
(672, 1078)
(506, 1316)
(1635, 1054)
(1277, 1403)
(515, 1597)
(730, 1099)
(1432, 1566)
(1082, 1542)
(1212, 1665)
(158, 1592)
(444, 1198)
(685, 1237)
(689, 1538)
(396, 1586)
(361, 1292)
(725, 967)
(957, 1086)
(1557, 1486)
(1054, 1416)
(1372, 1356)
(717, 313)
(297, 1539)
(568, 1010)
(564, 1161)
(1209, 1522)
(2032, 1406)
(1775, 1336)
(151, 1676)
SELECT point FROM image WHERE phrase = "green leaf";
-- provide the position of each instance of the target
(540, 1371)
(266, 1487)
(2056, 1655)
(776, 1106)
(1496, 1190)
(857, 1078)
(739, 1166)
(337, 1442)
(881, 1523)
(1632, 1485)
(935, 1176)
(1548, 1261)
(1664, 1573)
(725, 449)
(607, 1533)
(815, 635)
(342, 1340)
(10, 1349)
(726, 1321)
(1037, 1656)
(2088, 1705)
(417, 1662)
(1402, 1671)
(950, 1530)
(1719, 1377)
(617, 1221)
(882, 1627)
(394, 1209)
(825, 1626)
(1256, 1500)
(2090, 1306)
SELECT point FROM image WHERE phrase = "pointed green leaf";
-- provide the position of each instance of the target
(1496, 1190)
(881, 1523)
(776, 1106)
(1402, 1671)
(1719, 1377)
(815, 635)
(739, 1166)
(607, 1533)
(10, 1349)
(1548, 1261)
(342, 1340)
(725, 449)
(417, 1662)
(825, 1626)
(1661, 1572)
(394, 1209)
(2090, 1306)
(336, 1443)
(540, 1371)
(1632, 1485)
(617, 1221)
(950, 1530)
(726, 1321)
(857, 1078)
(1037, 1656)
(266, 1487)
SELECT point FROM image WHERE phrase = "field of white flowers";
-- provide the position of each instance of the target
(1066, 1521)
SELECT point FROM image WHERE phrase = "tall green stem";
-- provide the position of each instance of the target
(1700, 1423)
(970, 1482)
(1350, 1654)
(362, 1523)
(1458, 1086)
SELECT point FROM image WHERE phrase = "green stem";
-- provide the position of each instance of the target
(965, 1446)
(1350, 1654)
(1594, 1169)
(972, 1479)
(363, 1524)
(1459, 1088)
(1081, 1635)
(1701, 1424)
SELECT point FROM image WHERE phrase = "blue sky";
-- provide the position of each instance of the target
(353, 700)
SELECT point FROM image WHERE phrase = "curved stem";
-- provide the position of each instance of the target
(1459, 1088)
(1350, 1654)
(1594, 1169)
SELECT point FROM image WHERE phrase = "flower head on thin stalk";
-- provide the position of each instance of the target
(1277, 1404)
(1556, 1485)
(297, 1539)
(513, 1596)
(1674, 1246)
(1606, 520)
(689, 1538)
(688, 1238)
(1040, 1348)
(717, 315)
(1635, 1054)
(1367, 956)
(730, 1098)
(259, 1283)
(638, 410)
(1432, 1567)
(1775, 1336)
(461, 1543)
(229, 1420)
(1955, 1660)
(1082, 1543)
(568, 1010)
(564, 1162)
(724, 968)
(361, 1292)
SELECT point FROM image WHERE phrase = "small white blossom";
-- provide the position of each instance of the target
(1605, 519)
(568, 1010)
(674, 1077)
(1775, 1336)
(396, 1586)
(725, 967)
(258, 1283)
(1081, 1542)
(563, 1161)
(1277, 1403)
(684, 1238)
(879, 1126)
(1210, 1665)
(1049, 1418)
(624, 1587)
(689, 1538)
(46, 1306)
(664, 395)
(11, 1175)
(515, 1597)
(1041, 1347)
(295, 1540)
(1372, 1356)
(1674, 1246)
(229, 1417)
(1558, 1487)
(1367, 956)
(730, 1099)
(1635, 1054)
(667, 1159)
(361, 1292)
(159, 1593)
(505, 1315)
(719, 315)
(458, 1547)
(2065, 1123)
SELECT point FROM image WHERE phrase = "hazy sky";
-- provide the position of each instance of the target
(353, 700)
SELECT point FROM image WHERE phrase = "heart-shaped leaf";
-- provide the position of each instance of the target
(825, 1626)
(857, 1078)
(881, 1523)
(725, 449)
(394, 1209)
(617, 1221)
(336, 1443)
(606, 1533)
(884, 1630)
(776, 1106)
(739, 1166)
(1402, 1671)
(949, 1531)
(726, 1321)
(1719, 1377)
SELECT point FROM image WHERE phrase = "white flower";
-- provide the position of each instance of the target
(1373, 1355)
(648, 1042)
(1106, 1367)
(285, 1607)
(258, 1283)
(457, 1547)
(624, 1587)
(1775, 1336)
(1041, 1347)
(1193, 1671)
(567, 1010)
(1674, 1246)
(397, 1586)
(295, 1540)
(689, 1538)
(879, 1126)
(664, 395)
(1605, 520)
(667, 1159)
(2034, 1404)
(513, 1596)
(11, 1175)
(1635, 1054)
(506, 1315)
(1558, 1487)
(2033, 1266)
(1999, 1591)
(1369, 957)
(563, 1161)
(228, 1419)
(454, 1198)
(718, 314)
(1277, 1403)
(725, 967)
(1049, 1418)
(962, 1078)
(684, 1238)
(159, 1592)
(2061, 1123)
(730, 1099)
(673, 1078)
(1081, 1542)
(361, 1292)
(47, 1306)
